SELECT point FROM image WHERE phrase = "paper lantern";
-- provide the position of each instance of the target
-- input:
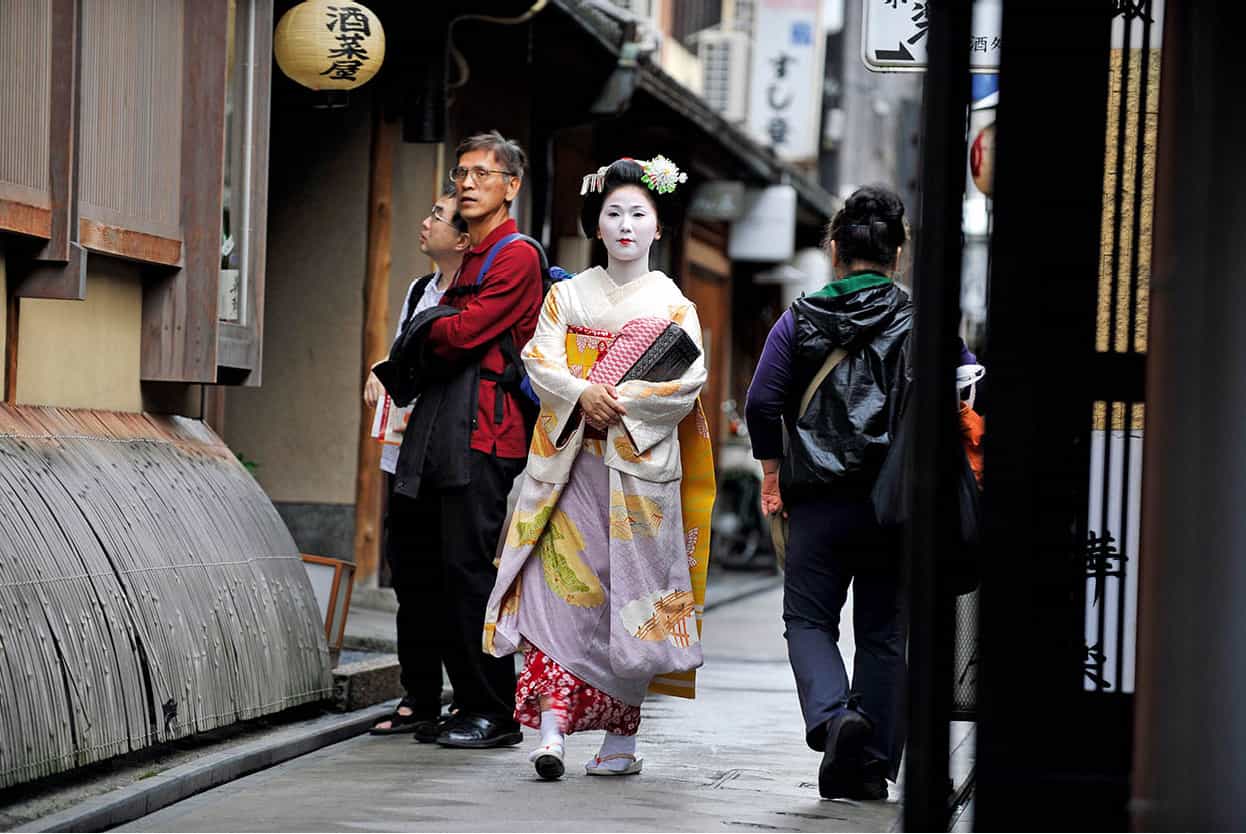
(982, 160)
(328, 45)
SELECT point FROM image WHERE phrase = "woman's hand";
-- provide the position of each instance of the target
(600, 406)
(373, 390)
(771, 500)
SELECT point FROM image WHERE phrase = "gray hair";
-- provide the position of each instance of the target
(507, 151)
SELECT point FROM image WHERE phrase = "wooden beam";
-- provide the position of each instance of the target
(179, 310)
(699, 252)
(375, 340)
(25, 219)
(127, 243)
(59, 268)
(257, 240)
(12, 322)
(63, 131)
(61, 280)
(214, 408)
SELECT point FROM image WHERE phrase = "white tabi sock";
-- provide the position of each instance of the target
(613, 745)
(551, 728)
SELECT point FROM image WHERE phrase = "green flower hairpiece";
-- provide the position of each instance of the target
(662, 175)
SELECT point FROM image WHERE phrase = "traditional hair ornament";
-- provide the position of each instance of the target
(662, 175)
(595, 181)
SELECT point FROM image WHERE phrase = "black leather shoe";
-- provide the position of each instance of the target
(840, 773)
(476, 731)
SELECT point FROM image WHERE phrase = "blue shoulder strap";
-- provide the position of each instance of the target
(493, 253)
(502, 244)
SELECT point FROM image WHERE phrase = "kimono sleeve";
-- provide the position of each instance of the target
(545, 358)
(654, 409)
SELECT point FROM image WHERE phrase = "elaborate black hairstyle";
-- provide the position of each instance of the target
(870, 227)
(623, 172)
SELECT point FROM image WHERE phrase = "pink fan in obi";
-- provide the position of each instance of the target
(648, 348)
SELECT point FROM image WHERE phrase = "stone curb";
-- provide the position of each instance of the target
(134, 801)
(367, 682)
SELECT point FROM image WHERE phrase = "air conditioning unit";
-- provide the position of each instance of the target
(739, 15)
(724, 68)
(646, 9)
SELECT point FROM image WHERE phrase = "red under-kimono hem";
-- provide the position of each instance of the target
(579, 706)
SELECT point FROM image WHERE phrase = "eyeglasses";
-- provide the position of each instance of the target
(458, 173)
(435, 213)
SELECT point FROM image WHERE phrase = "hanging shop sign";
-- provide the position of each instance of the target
(785, 84)
(766, 229)
(718, 200)
(327, 45)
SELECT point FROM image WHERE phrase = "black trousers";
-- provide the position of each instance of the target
(833, 543)
(441, 550)
(419, 599)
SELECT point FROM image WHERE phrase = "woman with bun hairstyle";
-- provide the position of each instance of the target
(858, 325)
(601, 579)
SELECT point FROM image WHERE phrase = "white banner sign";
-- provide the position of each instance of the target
(893, 36)
(785, 81)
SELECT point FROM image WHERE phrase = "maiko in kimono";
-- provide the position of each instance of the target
(601, 580)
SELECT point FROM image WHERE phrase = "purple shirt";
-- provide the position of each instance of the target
(768, 393)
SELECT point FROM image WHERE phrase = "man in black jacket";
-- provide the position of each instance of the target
(443, 237)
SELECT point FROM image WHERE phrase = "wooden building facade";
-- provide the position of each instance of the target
(344, 179)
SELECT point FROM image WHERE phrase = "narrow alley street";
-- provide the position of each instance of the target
(732, 760)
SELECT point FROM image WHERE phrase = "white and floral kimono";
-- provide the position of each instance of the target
(602, 576)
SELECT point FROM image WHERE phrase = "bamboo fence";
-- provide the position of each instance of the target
(148, 590)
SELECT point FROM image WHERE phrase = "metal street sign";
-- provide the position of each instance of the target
(893, 35)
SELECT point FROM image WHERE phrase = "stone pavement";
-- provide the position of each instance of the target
(732, 760)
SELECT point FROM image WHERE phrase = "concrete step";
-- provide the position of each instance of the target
(366, 681)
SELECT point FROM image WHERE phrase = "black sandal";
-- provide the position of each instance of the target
(398, 723)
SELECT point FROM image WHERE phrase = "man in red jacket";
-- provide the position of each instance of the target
(488, 177)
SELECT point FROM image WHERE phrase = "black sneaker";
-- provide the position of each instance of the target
(840, 773)
(870, 790)
(873, 780)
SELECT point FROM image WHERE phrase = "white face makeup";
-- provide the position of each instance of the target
(628, 224)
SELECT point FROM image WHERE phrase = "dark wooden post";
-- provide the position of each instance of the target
(1190, 726)
(375, 341)
(933, 531)
(12, 322)
(1042, 740)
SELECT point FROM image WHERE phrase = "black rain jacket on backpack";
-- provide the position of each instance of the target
(838, 445)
